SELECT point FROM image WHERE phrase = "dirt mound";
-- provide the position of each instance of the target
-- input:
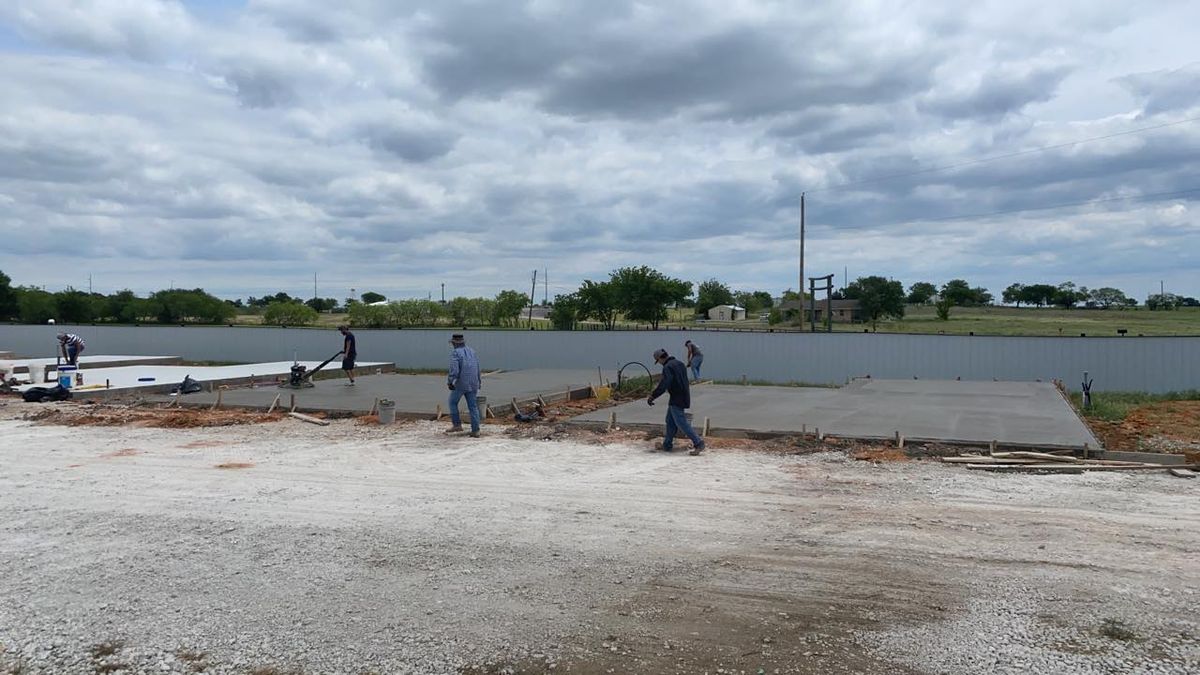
(1169, 426)
(124, 416)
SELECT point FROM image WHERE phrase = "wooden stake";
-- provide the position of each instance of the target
(992, 447)
(706, 427)
(292, 407)
(487, 412)
(217, 404)
(274, 403)
(1085, 450)
(516, 408)
(600, 374)
(439, 412)
(817, 433)
(541, 401)
(900, 443)
(612, 420)
(374, 407)
(309, 419)
(897, 438)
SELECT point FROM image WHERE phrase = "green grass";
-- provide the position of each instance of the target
(1114, 406)
(1040, 321)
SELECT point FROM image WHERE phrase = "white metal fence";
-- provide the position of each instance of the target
(1153, 364)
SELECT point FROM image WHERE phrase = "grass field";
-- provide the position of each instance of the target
(923, 319)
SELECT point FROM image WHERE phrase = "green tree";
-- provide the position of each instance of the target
(124, 306)
(371, 316)
(877, 297)
(961, 294)
(1067, 296)
(1165, 301)
(75, 306)
(35, 305)
(1012, 294)
(598, 302)
(8, 298)
(753, 301)
(1038, 294)
(644, 294)
(507, 310)
(371, 296)
(184, 306)
(943, 306)
(1107, 297)
(458, 310)
(417, 312)
(564, 313)
(321, 304)
(711, 293)
(289, 314)
(920, 293)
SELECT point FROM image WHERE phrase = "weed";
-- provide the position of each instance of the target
(1113, 406)
(1115, 629)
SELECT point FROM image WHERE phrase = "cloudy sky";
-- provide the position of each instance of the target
(395, 146)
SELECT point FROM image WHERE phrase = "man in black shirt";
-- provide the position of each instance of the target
(349, 353)
(675, 382)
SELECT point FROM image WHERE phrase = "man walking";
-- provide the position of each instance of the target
(675, 382)
(71, 346)
(464, 381)
(349, 353)
(694, 359)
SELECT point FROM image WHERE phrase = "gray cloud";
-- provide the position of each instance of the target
(1165, 90)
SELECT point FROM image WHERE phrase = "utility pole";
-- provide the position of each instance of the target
(546, 286)
(89, 284)
(1162, 290)
(314, 285)
(443, 292)
(532, 292)
(800, 288)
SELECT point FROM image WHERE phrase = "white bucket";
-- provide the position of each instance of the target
(387, 411)
(66, 376)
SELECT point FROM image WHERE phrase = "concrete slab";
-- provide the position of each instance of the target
(125, 379)
(45, 368)
(1011, 413)
(413, 394)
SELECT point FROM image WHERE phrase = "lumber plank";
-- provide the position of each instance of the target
(1071, 468)
(309, 418)
(1183, 473)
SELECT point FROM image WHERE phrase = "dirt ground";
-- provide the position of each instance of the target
(262, 546)
(1169, 426)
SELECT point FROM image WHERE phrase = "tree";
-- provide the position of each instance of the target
(35, 305)
(1067, 296)
(508, 308)
(124, 306)
(877, 297)
(371, 316)
(958, 292)
(1012, 294)
(1038, 294)
(417, 312)
(1107, 297)
(644, 294)
(1165, 301)
(289, 314)
(753, 301)
(8, 298)
(943, 306)
(564, 313)
(181, 306)
(597, 302)
(75, 306)
(321, 304)
(711, 293)
(371, 296)
(1189, 302)
(920, 293)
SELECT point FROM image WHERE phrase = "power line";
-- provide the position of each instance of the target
(1146, 197)
(994, 158)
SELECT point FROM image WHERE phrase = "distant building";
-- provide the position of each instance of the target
(844, 311)
(727, 313)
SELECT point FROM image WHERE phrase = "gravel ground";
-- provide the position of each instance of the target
(354, 549)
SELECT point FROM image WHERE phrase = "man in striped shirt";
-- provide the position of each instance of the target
(72, 346)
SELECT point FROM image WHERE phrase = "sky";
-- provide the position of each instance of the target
(246, 147)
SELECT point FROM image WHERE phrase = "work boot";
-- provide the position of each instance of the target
(474, 434)
(696, 450)
(663, 448)
(454, 430)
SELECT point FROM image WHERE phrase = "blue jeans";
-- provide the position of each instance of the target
(472, 407)
(677, 420)
(696, 361)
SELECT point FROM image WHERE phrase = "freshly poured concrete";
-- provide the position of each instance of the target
(89, 363)
(131, 377)
(1011, 413)
(413, 394)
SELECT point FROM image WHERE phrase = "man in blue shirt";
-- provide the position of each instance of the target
(675, 382)
(464, 381)
(349, 353)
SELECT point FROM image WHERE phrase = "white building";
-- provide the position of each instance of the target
(727, 313)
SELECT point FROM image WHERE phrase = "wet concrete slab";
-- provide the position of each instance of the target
(45, 369)
(100, 381)
(1011, 413)
(413, 394)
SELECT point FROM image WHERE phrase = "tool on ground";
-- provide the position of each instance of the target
(1087, 391)
(301, 377)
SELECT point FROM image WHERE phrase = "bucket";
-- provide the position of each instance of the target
(603, 393)
(481, 402)
(387, 411)
(65, 376)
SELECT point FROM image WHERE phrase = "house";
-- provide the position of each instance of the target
(727, 313)
(843, 311)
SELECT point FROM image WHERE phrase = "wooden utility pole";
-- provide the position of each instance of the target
(532, 292)
(800, 286)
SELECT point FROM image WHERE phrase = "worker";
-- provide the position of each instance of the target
(349, 353)
(675, 382)
(71, 346)
(464, 381)
(694, 359)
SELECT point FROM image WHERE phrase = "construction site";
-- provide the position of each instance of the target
(273, 518)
